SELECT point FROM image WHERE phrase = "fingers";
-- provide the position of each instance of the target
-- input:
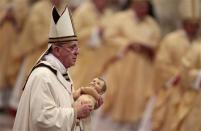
(99, 102)
(86, 110)
(83, 109)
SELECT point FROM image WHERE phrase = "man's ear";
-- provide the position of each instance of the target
(56, 50)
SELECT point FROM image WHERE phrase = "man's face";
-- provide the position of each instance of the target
(100, 4)
(191, 27)
(67, 53)
(56, 2)
(98, 84)
(141, 8)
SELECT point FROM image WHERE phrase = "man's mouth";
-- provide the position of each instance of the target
(74, 58)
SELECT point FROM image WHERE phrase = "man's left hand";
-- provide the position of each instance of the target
(99, 102)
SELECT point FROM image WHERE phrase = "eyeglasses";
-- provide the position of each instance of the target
(71, 48)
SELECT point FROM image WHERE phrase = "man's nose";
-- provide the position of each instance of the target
(77, 51)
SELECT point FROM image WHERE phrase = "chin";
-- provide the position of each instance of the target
(72, 64)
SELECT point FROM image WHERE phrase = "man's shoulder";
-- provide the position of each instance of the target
(152, 21)
(40, 75)
(44, 70)
(174, 37)
(176, 34)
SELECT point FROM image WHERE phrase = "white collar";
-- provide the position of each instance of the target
(55, 62)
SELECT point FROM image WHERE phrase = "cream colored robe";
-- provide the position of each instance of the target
(46, 103)
(130, 80)
(86, 19)
(192, 119)
(168, 63)
(34, 37)
(21, 11)
(32, 43)
(3, 4)
(4, 43)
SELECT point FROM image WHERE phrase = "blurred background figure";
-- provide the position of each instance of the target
(30, 45)
(3, 4)
(14, 17)
(130, 79)
(190, 116)
(174, 47)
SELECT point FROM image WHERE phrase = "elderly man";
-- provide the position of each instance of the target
(47, 102)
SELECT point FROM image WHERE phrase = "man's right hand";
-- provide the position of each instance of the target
(83, 109)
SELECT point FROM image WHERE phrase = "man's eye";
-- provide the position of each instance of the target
(71, 48)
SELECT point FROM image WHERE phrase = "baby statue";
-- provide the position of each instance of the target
(91, 93)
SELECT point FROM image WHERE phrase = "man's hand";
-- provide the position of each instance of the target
(142, 48)
(99, 102)
(83, 109)
(76, 94)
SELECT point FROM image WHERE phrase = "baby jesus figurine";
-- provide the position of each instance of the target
(91, 93)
